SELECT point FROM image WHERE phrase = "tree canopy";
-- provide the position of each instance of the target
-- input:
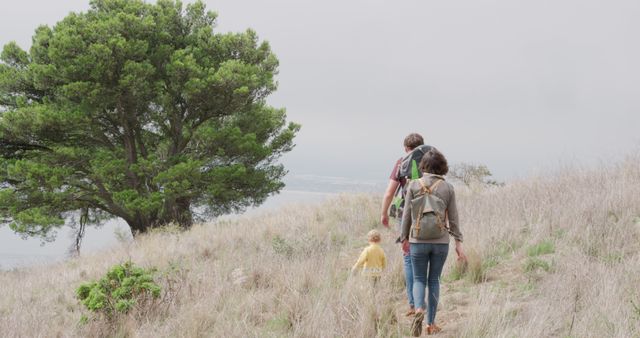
(139, 111)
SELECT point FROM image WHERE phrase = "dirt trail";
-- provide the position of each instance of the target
(452, 309)
(456, 296)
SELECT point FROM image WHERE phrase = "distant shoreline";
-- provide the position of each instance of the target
(30, 252)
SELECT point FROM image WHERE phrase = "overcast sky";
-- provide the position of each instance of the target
(516, 85)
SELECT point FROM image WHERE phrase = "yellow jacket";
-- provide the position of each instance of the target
(372, 260)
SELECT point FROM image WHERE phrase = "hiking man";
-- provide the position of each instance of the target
(403, 170)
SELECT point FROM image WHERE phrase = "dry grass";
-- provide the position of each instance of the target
(286, 273)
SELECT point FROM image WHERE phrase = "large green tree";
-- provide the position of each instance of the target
(139, 111)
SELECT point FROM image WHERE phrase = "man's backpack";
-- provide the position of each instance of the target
(407, 170)
(428, 213)
(409, 165)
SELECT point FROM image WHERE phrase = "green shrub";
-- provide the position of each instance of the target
(504, 248)
(613, 258)
(281, 322)
(122, 288)
(559, 233)
(457, 272)
(636, 309)
(529, 286)
(281, 246)
(338, 239)
(533, 264)
(542, 248)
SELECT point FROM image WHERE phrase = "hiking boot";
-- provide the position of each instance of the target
(433, 329)
(411, 312)
(416, 325)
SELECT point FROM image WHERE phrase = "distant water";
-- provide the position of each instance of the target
(16, 251)
(303, 189)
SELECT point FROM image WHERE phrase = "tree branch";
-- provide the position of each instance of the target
(106, 196)
(11, 149)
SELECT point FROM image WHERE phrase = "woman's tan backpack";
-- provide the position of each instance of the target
(428, 213)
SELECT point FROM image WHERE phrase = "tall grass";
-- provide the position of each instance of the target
(582, 227)
(286, 273)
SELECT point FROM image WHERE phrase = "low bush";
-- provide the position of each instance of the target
(542, 248)
(533, 264)
(281, 246)
(121, 289)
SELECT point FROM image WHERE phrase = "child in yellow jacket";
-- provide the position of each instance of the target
(372, 260)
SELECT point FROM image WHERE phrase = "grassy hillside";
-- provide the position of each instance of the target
(552, 256)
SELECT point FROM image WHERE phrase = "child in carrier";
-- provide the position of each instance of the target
(372, 260)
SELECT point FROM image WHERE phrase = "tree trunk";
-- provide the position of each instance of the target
(139, 225)
(177, 211)
(183, 213)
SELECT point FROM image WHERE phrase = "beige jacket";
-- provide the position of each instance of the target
(444, 191)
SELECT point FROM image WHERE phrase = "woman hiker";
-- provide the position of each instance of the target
(429, 245)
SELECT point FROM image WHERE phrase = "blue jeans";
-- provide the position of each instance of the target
(408, 277)
(428, 260)
(408, 270)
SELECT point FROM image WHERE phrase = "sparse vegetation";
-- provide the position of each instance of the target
(545, 261)
(542, 248)
(533, 264)
(470, 174)
(474, 270)
(636, 310)
(281, 247)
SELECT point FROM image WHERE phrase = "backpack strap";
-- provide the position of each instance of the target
(423, 191)
(424, 187)
(434, 186)
(446, 221)
(431, 188)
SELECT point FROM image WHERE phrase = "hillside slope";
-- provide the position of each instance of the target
(550, 256)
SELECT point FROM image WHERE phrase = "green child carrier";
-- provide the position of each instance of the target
(428, 213)
(407, 170)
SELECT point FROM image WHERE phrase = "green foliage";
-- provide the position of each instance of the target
(636, 309)
(504, 248)
(140, 111)
(527, 287)
(119, 290)
(559, 233)
(533, 264)
(281, 322)
(456, 273)
(542, 248)
(281, 247)
(613, 258)
(490, 262)
(339, 239)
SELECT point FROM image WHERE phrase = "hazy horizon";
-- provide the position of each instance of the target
(518, 86)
